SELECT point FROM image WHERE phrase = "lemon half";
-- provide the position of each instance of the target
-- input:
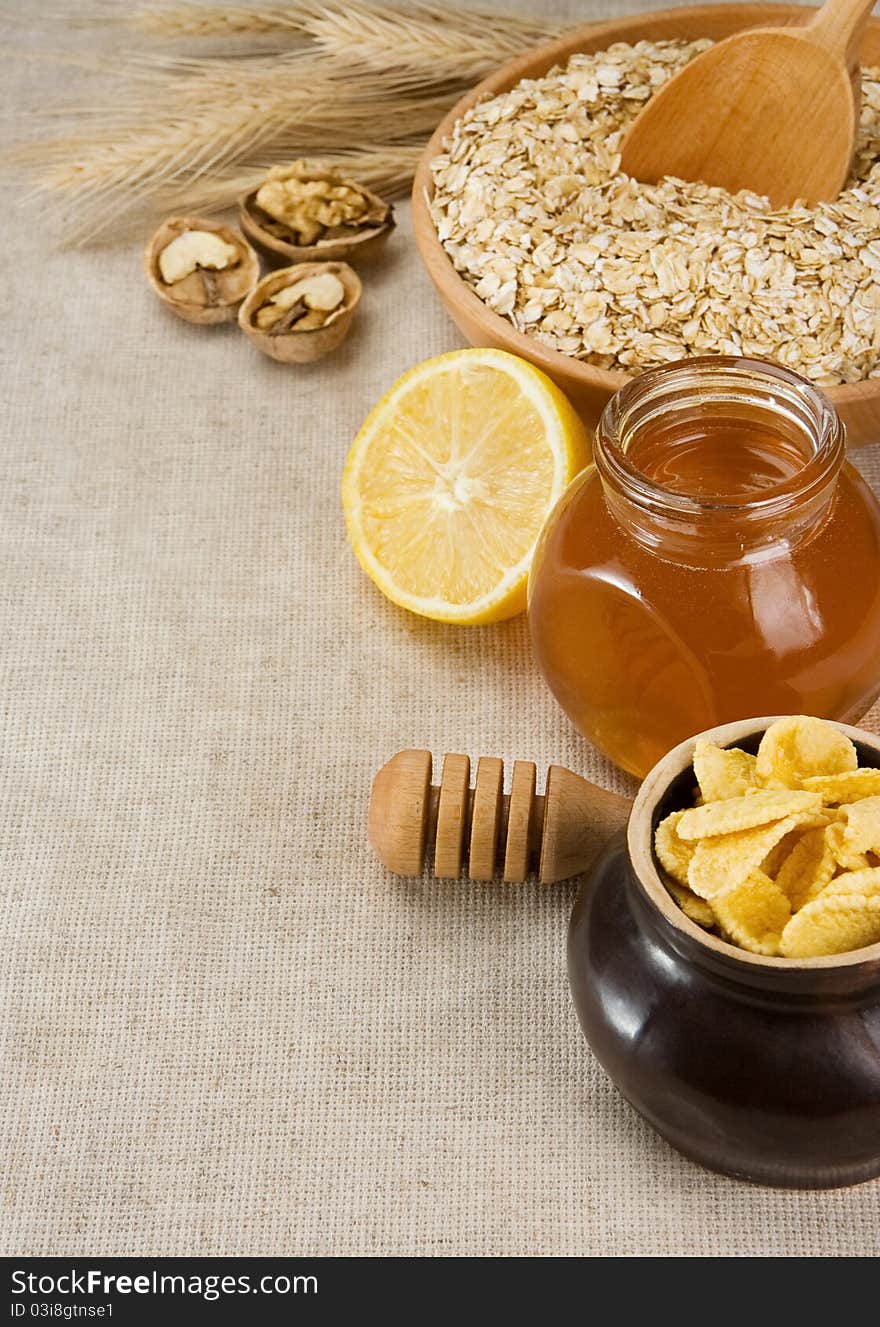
(450, 479)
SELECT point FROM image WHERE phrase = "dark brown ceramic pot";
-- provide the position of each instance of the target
(766, 1069)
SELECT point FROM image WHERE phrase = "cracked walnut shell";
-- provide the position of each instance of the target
(300, 214)
(301, 313)
(200, 269)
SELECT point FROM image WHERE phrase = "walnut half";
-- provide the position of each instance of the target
(312, 302)
(299, 212)
(301, 313)
(200, 269)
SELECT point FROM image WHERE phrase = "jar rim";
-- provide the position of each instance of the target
(640, 847)
(728, 372)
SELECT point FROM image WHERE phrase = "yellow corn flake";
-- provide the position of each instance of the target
(855, 882)
(844, 855)
(753, 914)
(722, 862)
(772, 863)
(815, 820)
(848, 787)
(759, 855)
(832, 925)
(862, 824)
(797, 748)
(695, 908)
(723, 773)
(737, 813)
(807, 868)
(673, 854)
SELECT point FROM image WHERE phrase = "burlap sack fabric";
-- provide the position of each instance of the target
(226, 1030)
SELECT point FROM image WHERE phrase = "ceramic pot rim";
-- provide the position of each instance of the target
(640, 846)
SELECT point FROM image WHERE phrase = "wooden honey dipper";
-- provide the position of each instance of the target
(489, 832)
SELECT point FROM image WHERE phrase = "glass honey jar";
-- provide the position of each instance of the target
(720, 560)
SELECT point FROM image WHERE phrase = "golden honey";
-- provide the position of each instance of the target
(720, 560)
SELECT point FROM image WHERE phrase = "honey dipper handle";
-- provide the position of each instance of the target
(483, 831)
(839, 25)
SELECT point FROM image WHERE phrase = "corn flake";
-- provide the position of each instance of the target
(723, 773)
(726, 860)
(808, 867)
(796, 748)
(672, 852)
(772, 863)
(780, 852)
(832, 925)
(737, 813)
(846, 856)
(697, 909)
(855, 882)
(850, 786)
(862, 824)
(753, 914)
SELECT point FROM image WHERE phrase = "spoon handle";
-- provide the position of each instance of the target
(839, 24)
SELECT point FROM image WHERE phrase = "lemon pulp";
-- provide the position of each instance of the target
(450, 479)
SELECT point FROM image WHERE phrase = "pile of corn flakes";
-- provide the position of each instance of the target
(781, 853)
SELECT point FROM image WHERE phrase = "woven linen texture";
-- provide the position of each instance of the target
(225, 1029)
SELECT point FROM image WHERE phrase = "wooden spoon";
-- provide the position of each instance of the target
(773, 110)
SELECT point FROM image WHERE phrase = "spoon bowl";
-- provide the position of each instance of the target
(771, 111)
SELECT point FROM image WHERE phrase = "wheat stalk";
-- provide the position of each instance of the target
(386, 170)
(198, 159)
(420, 19)
(198, 21)
(427, 38)
(171, 85)
(366, 89)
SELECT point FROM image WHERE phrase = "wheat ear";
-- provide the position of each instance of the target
(362, 84)
(194, 21)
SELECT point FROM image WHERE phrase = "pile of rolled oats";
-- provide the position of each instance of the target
(532, 208)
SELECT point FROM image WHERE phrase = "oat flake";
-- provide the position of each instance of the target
(532, 208)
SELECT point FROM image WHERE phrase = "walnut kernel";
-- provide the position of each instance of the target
(301, 212)
(195, 249)
(201, 270)
(299, 313)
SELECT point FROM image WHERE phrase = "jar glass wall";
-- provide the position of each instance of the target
(720, 560)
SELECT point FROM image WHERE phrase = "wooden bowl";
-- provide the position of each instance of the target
(295, 347)
(589, 388)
